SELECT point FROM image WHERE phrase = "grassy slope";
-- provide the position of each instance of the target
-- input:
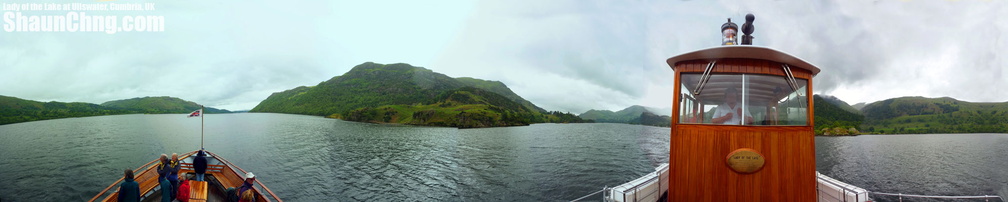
(907, 115)
(466, 107)
(833, 114)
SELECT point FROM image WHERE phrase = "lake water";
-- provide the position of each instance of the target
(307, 158)
(933, 164)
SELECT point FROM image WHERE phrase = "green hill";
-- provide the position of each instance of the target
(159, 105)
(908, 115)
(651, 119)
(401, 93)
(633, 115)
(501, 89)
(621, 116)
(831, 112)
(16, 110)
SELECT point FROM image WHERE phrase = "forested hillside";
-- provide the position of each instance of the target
(836, 115)
(401, 93)
(16, 110)
(159, 105)
(908, 115)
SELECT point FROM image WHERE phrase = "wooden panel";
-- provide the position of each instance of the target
(739, 66)
(198, 191)
(697, 153)
(698, 171)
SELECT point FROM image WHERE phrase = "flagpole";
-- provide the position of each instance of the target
(202, 114)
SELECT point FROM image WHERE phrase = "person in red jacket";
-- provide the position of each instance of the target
(183, 191)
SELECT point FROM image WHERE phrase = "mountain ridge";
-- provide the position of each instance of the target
(634, 114)
(917, 114)
(17, 110)
(405, 94)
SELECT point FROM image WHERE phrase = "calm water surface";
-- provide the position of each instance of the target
(934, 164)
(306, 158)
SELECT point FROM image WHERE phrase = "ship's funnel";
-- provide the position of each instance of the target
(747, 29)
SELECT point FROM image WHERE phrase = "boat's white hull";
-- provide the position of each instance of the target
(832, 190)
(649, 187)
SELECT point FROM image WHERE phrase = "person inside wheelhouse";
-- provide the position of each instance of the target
(743, 99)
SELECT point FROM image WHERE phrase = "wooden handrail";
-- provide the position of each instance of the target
(239, 168)
(103, 192)
(138, 170)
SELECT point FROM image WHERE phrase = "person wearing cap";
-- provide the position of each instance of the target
(249, 178)
(200, 165)
(129, 190)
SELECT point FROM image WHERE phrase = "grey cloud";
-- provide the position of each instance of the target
(562, 55)
(596, 42)
(879, 47)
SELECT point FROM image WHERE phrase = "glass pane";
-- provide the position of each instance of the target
(742, 99)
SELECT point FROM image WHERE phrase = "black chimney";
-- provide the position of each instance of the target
(747, 29)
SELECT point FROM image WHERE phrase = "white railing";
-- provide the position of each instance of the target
(827, 188)
(900, 195)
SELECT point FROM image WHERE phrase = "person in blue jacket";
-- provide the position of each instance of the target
(129, 190)
(173, 167)
(162, 167)
(200, 165)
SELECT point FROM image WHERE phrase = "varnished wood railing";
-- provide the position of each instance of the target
(147, 168)
(229, 164)
(103, 192)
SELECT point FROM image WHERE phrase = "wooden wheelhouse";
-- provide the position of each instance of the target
(767, 152)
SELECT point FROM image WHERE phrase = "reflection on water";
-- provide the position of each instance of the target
(305, 158)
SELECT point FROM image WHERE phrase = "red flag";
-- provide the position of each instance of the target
(196, 113)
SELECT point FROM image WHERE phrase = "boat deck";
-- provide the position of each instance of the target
(212, 195)
(220, 175)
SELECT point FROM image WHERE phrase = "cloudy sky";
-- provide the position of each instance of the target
(561, 55)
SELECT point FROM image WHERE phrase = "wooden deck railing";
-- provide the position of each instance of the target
(225, 174)
(260, 196)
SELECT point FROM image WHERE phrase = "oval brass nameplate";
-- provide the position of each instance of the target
(745, 160)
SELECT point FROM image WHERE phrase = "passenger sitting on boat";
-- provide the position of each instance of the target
(247, 197)
(729, 112)
(129, 190)
(249, 178)
(183, 192)
(200, 165)
(173, 176)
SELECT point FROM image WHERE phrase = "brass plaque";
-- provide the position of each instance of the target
(745, 161)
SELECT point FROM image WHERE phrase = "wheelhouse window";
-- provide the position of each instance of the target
(742, 99)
